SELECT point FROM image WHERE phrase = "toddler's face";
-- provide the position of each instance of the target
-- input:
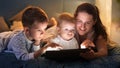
(67, 30)
(37, 30)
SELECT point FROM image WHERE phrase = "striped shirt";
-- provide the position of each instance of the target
(21, 47)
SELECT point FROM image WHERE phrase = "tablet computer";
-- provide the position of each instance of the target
(69, 54)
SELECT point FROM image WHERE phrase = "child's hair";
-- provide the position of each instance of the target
(33, 14)
(93, 10)
(65, 17)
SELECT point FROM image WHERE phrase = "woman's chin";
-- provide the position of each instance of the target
(82, 34)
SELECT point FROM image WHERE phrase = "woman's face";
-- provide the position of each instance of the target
(84, 23)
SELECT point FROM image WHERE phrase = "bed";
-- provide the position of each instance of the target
(8, 60)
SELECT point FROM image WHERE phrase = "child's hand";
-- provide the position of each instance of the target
(87, 44)
(36, 42)
(48, 46)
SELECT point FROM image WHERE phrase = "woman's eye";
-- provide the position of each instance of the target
(88, 22)
(79, 22)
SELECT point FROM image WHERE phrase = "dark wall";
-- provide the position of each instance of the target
(9, 8)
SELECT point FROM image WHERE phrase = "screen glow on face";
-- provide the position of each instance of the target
(68, 27)
(67, 30)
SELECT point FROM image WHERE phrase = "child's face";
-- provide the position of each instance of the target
(67, 30)
(36, 32)
(84, 23)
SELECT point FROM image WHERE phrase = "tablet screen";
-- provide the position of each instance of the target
(64, 54)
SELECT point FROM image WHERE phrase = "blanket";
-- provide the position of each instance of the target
(8, 60)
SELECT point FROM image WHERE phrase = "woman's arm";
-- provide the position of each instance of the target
(101, 45)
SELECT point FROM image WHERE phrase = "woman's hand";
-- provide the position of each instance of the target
(87, 44)
(88, 55)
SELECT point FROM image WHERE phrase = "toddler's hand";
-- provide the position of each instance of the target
(53, 46)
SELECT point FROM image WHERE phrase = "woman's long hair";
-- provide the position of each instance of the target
(99, 28)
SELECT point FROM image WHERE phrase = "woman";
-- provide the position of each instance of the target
(91, 30)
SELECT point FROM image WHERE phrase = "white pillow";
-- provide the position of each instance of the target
(17, 25)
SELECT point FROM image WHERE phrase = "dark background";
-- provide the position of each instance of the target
(9, 8)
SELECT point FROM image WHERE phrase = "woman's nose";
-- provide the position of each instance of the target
(83, 27)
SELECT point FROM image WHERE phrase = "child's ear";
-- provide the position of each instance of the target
(26, 29)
